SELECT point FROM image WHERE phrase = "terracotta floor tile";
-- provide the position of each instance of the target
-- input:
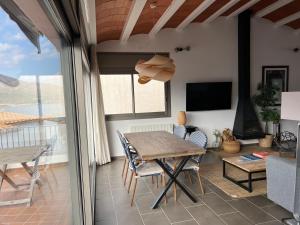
(29, 210)
(15, 223)
(50, 202)
(7, 219)
(22, 218)
(35, 218)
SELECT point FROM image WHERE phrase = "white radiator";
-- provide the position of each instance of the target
(152, 127)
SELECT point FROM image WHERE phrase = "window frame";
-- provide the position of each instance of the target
(148, 115)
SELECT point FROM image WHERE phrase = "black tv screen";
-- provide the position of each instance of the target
(208, 96)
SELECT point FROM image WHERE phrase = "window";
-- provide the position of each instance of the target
(125, 98)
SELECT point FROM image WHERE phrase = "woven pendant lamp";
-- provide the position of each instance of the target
(159, 68)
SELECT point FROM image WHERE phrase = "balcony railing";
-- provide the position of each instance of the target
(22, 136)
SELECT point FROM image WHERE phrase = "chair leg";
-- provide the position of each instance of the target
(124, 164)
(152, 179)
(200, 182)
(31, 189)
(134, 188)
(185, 175)
(34, 178)
(130, 180)
(126, 172)
(156, 181)
(190, 177)
(163, 177)
(175, 192)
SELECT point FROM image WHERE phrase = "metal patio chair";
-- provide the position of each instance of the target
(47, 161)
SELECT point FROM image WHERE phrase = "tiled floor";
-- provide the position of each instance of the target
(214, 208)
(51, 202)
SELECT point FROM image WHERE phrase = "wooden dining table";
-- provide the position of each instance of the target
(159, 145)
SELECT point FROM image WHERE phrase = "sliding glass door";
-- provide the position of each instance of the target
(33, 116)
(46, 97)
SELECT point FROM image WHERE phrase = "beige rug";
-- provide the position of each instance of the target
(214, 174)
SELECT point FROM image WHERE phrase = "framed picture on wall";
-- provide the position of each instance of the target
(276, 76)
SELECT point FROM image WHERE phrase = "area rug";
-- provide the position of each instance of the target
(214, 174)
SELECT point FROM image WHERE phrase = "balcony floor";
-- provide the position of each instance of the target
(50, 204)
(215, 207)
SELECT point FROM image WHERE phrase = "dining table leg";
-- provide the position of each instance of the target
(4, 167)
(173, 178)
(5, 177)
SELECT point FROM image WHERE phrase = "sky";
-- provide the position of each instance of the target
(18, 56)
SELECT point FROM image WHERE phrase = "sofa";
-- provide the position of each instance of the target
(281, 178)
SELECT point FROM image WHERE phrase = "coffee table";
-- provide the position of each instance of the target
(249, 167)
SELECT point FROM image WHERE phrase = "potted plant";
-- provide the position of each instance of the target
(229, 142)
(265, 100)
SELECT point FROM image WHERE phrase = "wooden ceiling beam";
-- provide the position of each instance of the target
(271, 8)
(288, 19)
(170, 11)
(220, 11)
(243, 8)
(133, 16)
(203, 6)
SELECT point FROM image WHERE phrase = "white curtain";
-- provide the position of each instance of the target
(100, 134)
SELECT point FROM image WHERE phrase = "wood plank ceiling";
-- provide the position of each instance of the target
(113, 15)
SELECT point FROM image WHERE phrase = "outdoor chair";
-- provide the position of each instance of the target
(47, 160)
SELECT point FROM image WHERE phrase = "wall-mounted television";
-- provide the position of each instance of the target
(208, 96)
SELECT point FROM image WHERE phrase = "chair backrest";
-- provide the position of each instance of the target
(123, 142)
(198, 138)
(179, 131)
(287, 142)
(131, 158)
(128, 153)
(50, 145)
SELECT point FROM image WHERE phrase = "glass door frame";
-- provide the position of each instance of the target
(71, 63)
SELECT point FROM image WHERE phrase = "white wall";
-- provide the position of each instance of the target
(213, 57)
(274, 46)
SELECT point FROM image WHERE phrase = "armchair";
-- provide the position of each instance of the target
(281, 179)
